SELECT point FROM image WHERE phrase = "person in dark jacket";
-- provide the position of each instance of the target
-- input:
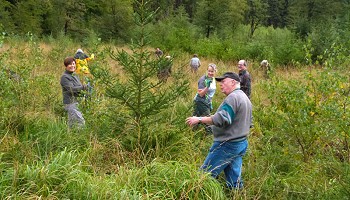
(158, 52)
(246, 83)
(164, 70)
(71, 90)
(80, 55)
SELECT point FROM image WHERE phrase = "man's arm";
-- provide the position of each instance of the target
(196, 120)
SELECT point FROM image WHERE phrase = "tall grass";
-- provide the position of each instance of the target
(298, 148)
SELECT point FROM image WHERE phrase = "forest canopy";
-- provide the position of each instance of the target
(183, 24)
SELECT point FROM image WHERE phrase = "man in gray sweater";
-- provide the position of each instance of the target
(71, 89)
(231, 124)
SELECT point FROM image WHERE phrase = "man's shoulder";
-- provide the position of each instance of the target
(247, 75)
(236, 97)
(244, 74)
(235, 94)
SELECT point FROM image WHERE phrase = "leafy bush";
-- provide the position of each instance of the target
(175, 34)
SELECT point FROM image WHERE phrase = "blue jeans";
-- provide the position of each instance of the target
(226, 156)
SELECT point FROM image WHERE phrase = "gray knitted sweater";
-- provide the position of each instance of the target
(71, 87)
(233, 118)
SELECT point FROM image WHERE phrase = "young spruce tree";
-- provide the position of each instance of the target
(138, 89)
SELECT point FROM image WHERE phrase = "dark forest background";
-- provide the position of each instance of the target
(277, 30)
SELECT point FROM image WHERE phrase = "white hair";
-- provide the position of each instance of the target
(243, 62)
(264, 62)
(80, 51)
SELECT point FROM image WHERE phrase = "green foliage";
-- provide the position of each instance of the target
(16, 79)
(302, 121)
(170, 180)
(6, 22)
(255, 15)
(175, 33)
(306, 15)
(29, 21)
(306, 111)
(276, 45)
(113, 19)
(180, 25)
(334, 57)
(212, 16)
(63, 172)
(59, 47)
(298, 148)
(141, 93)
(64, 175)
(213, 47)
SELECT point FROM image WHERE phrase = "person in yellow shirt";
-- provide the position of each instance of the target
(82, 70)
(81, 60)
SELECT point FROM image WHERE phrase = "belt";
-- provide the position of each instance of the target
(237, 139)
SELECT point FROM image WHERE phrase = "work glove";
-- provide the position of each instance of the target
(208, 82)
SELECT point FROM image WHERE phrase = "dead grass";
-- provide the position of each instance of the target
(56, 68)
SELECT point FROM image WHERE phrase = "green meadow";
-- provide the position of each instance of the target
(298, 148)
(136, 144)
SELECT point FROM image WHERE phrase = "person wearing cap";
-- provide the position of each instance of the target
(195, 63)
(205, 93)
(81, 60)
(245, 77)
(71, 90)
(230, 126)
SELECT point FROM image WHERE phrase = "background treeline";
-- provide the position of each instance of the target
(277, 30)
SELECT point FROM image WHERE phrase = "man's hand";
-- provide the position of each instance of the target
(192, 121)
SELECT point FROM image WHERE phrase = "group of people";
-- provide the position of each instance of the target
(230, 124)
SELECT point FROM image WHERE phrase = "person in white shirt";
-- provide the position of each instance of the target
(195, 63)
